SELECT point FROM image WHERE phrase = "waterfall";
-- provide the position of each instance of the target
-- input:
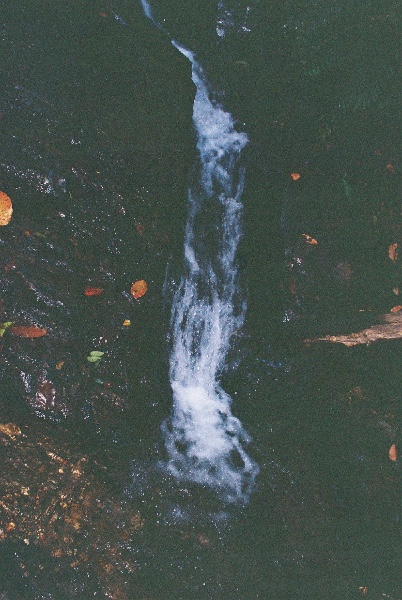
(204, 441)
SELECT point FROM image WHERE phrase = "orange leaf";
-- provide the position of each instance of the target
(396, 308)
(393, 453)
(92, 291)
(295, 176)
(138, 288)
(393, 252)
(309, 239)
(28, 331)
(6, 209)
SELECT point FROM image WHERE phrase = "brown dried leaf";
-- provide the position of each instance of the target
(28, 331)
(395, 309)
(138, 289)
(309, 239)
(6, 209)
(393, 453)
(393, 252)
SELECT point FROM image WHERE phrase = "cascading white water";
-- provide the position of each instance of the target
(204, 441)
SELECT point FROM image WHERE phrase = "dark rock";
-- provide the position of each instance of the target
(96, 139)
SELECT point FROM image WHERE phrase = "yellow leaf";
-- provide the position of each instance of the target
(138, 289)
(59, 365)
(6, 209)
(126, 322)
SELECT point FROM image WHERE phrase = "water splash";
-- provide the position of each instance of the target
(204, 441)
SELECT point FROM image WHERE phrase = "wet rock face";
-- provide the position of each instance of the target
(79, 76)
(96, 139)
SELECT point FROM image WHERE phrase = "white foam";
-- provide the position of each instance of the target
(204, 441)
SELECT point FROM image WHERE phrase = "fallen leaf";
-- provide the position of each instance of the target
(95, 356)
(6, 209)
(93, 291)
(126, 322)
(396, 291)
(295, 176)
(4, 327)
(391, 168)
(138, 288)
(28, 331)
(59, 365)
(395, 309)
(140, 228)
(393, 453)
(309, 239)
(393, 252)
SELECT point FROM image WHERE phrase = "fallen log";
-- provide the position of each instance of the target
(389, 329)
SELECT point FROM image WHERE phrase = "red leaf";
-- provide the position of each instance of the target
(92, 291)
(30, 331)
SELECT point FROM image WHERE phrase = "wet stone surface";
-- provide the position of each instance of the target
(59, 523)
